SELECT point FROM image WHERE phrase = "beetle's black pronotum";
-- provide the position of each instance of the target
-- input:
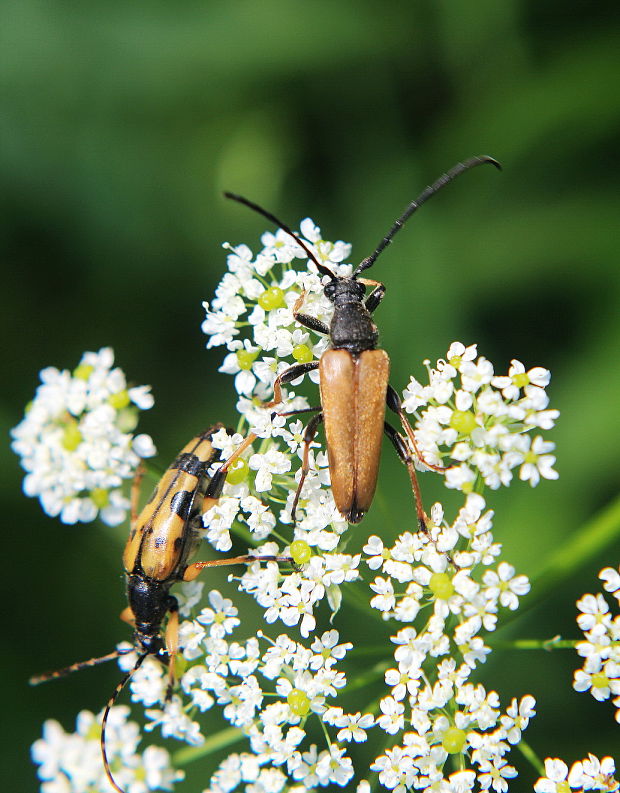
(354, 373)
(162, 539)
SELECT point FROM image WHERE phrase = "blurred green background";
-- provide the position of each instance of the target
(122, 123)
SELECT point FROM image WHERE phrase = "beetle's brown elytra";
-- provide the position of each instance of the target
(353, 392)
(354, 374)
(161, 540)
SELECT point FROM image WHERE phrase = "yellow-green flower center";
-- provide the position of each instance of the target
(272, 298)
(441, 586)
(71, 437)
(300, 551)
(302, 353)
(463, 421)
(298, 702)
(127, 418)
(238, 472)
(521, 380)
(453, 740)
(83, 371)
(245, 359)
(119, 400)
(94, 731)
(600, 680)
(100, 497)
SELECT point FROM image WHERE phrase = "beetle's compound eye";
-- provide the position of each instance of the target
(329, 290)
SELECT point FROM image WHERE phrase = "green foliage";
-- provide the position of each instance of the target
(123, 122)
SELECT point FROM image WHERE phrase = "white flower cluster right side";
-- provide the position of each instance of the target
(477, 425)
(600, 673)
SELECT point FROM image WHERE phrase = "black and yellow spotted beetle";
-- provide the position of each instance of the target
(163, 536)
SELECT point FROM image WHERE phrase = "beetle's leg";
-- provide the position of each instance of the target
(402, 450)
(135, 492)
(193, 570)
(247, 441)
(172, 643)
(394, 403)
(298, 411)
(127, 615)
(377, 294)
(306, 320)
(214, 489)
(309, 434)
(292, 373)
(312, 323)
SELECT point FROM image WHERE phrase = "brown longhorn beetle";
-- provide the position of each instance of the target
(354, 388)
(161, 541)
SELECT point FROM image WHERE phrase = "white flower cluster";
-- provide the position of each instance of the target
(71, 762)
(76, 440)
(252, 315)
(443, 588)
(588, 774)
(449, 576)
(475, 424)
(260, 488)
(600, 673)
(270, 693)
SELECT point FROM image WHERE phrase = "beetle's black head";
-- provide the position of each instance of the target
(344, 290)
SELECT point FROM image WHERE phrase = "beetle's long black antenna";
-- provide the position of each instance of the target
(447, 177)
(67, 670)
(104, 721)
(256, 208)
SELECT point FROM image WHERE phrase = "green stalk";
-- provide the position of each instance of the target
(531, 756)
(220, 740)
(593, 537)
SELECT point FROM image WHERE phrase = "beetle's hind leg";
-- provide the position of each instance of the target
(394, 403)
(193, 570)
(171, 639)
(402, 450)
(309, 434)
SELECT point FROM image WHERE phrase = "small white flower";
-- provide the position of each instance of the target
(554, 781)
(392, 720)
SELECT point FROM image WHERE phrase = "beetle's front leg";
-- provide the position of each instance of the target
(377, 294)
(306, 320)
(292, 373)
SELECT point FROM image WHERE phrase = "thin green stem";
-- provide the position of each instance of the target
(213, 743)
(377, 672)
(593, 537)
(554, 643)
(531, 756)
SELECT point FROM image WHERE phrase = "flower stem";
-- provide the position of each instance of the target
(531, 756)
(585, 544)
(213, 743)
(554, 643)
